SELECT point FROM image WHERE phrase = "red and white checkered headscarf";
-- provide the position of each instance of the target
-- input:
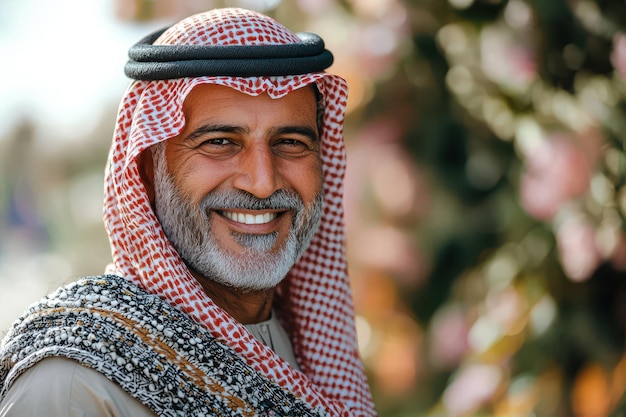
(314, 301)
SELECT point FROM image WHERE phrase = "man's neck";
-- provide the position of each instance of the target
(247, 307)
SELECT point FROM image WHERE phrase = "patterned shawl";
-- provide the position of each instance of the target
(151, 349)
(314, 302)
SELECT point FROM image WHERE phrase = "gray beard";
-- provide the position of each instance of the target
(188, 227)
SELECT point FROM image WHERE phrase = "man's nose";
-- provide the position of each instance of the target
(257, 172)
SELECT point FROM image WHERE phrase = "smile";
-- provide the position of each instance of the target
(247, 218)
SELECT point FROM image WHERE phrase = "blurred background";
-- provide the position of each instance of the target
(485, 194)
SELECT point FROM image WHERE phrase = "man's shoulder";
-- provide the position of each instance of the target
(110, 281)
(64, 386)
(93, 289)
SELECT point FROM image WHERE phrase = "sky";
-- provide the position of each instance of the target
(62, 61)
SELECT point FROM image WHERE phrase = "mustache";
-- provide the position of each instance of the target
(238, 199)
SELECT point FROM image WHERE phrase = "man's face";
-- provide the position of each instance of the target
(238, 192)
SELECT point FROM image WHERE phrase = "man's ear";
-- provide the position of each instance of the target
(145, 165)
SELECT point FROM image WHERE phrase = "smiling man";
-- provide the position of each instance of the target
(228, 292)
(243, 195)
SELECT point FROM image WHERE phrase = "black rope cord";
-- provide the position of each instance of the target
(163, 62)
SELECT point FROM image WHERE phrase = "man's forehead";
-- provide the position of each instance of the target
(218, 94)
(210, 104)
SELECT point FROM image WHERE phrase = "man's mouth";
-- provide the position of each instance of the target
(247, 218)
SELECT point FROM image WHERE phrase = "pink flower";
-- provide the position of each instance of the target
(508, 58)
(557, 170)
(577, 248)
(618, 55)
(473, 387)
(448, 337)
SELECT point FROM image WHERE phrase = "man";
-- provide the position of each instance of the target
(228, 292)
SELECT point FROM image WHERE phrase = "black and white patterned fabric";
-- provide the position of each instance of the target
(153, 351)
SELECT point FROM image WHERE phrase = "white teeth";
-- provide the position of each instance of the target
(247, 218)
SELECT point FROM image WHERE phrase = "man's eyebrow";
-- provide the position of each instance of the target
(213, 128)
(300, 130)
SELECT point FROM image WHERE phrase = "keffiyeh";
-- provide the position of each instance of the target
(314, 301)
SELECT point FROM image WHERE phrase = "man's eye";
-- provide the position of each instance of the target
(216, 141)
(294, 147)
(293, 143)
